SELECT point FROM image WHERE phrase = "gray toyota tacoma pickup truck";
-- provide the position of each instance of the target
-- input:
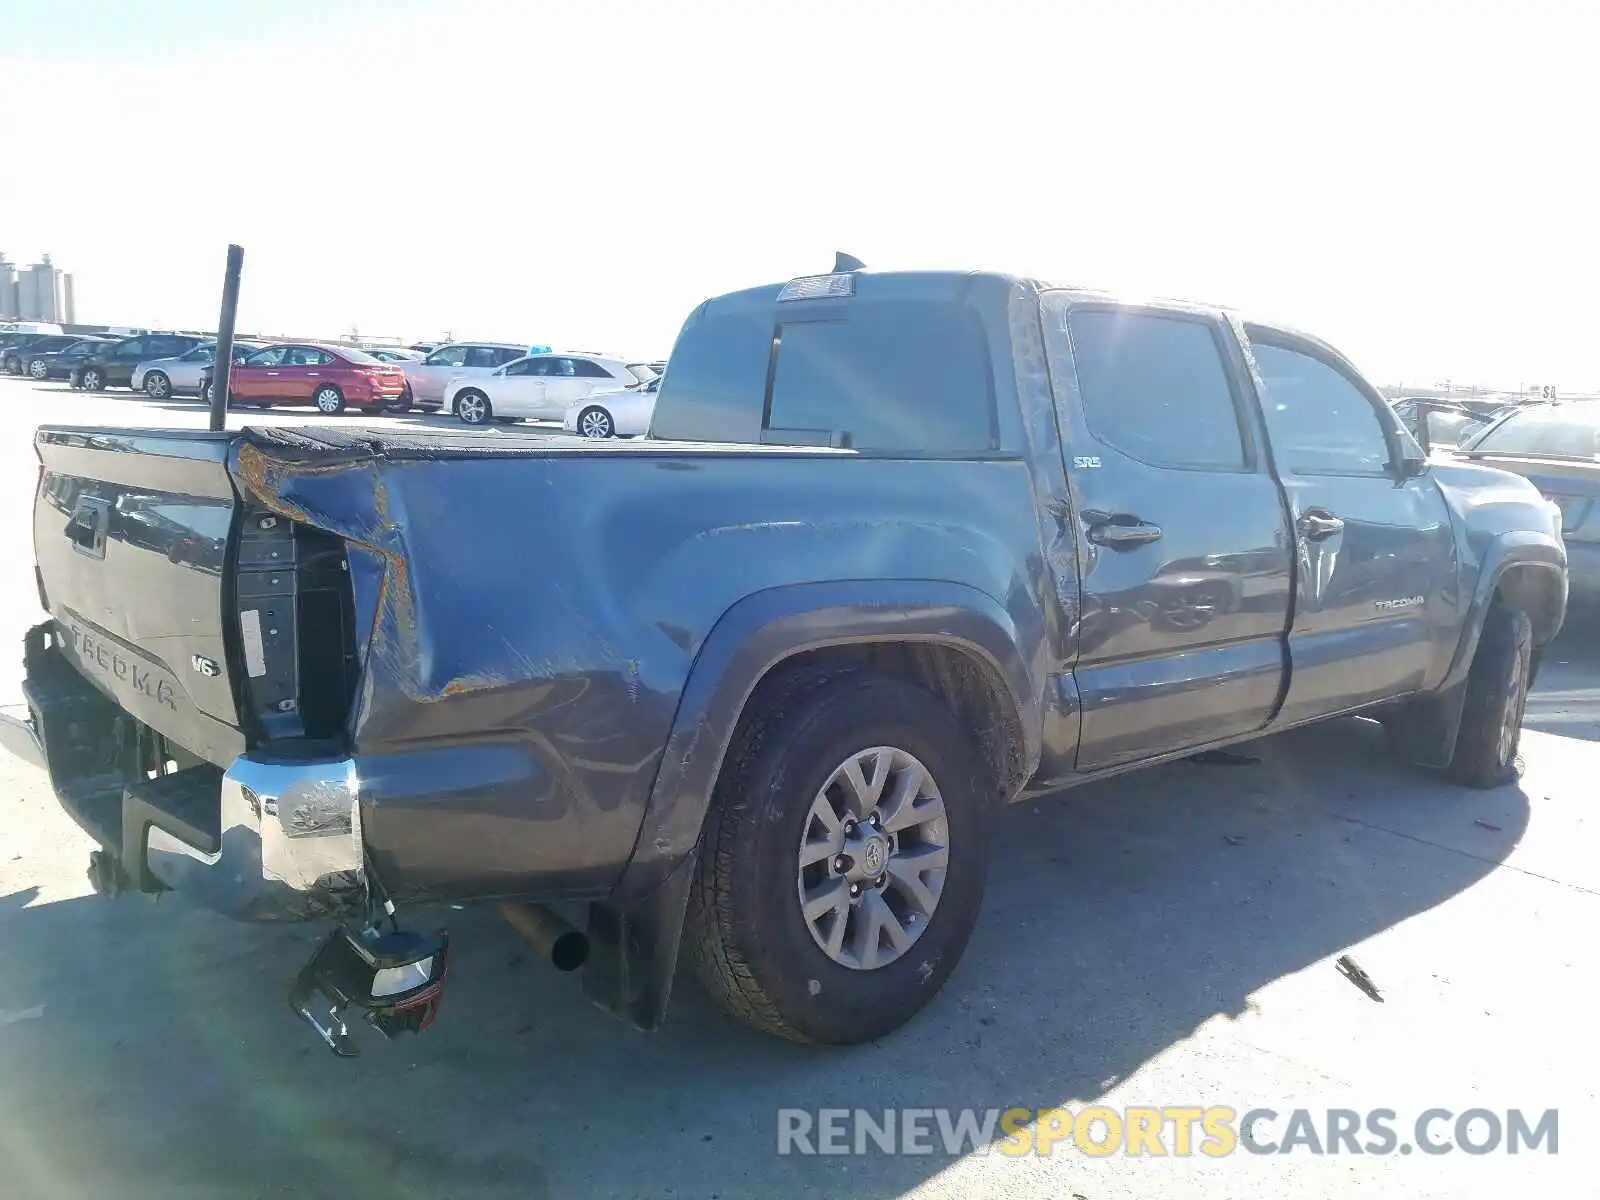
(901, 548)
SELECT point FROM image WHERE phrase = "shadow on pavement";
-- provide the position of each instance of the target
(1119, 918)
(1566, 698)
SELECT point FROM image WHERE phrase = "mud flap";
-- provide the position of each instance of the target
(633, 950)
(1424, 731)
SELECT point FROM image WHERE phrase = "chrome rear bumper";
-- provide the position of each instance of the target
(269, 839)
(289, 846)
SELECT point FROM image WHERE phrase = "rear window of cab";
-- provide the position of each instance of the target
(896, 376)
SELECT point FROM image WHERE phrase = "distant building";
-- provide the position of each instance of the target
(10, 302)
(44, 293)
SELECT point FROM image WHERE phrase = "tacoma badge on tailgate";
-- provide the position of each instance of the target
(99, 654)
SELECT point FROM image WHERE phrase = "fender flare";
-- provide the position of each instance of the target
(767, 627)
(1431, 739)
(1521, 548)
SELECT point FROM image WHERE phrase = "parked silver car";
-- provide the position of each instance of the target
(163, 377)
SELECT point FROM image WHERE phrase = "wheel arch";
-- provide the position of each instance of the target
(958, 642)
(636, 932)
(1526, 569)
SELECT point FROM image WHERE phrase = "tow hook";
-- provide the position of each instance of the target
(394, 979)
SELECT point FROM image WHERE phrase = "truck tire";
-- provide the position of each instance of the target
(791, 819)
(1497, 695)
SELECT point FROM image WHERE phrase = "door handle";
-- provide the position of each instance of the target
(1119, 531)
(87, 527)
(1318, 523)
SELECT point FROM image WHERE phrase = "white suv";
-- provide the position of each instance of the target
(540, 386)
(426, 380)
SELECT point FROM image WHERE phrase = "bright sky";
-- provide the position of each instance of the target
(1415, 183)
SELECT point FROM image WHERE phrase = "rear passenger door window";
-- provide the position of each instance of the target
(447, 356)
(482, 357)
(1156, 388)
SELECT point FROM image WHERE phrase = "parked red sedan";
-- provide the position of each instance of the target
(327, 377)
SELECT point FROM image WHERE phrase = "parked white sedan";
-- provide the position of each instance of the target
(540, 387)
(622, 413)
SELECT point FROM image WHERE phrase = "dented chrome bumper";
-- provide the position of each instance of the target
(268, 839)
(289, 844)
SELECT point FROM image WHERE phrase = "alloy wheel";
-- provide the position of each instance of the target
(873, 856)
(1511, 718)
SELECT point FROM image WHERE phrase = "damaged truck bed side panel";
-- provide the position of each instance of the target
(518, 688)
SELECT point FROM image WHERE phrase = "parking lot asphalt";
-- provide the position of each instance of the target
(1167, 938)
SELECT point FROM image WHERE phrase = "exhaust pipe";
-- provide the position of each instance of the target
(567, 948)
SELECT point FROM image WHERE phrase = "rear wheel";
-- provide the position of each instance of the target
(157, 386)
(38, 369)
(1497, 696)
(473, 407)
(843, 861)
(328, 399)
(94, 379)
(596, 422)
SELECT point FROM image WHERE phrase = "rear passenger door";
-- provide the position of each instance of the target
(562, 387)
(590, 377)
(1375, 605)
(295, 379)
(1184, 541)
(122, 359)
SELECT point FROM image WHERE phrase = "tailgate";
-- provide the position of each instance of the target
(132, 535)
